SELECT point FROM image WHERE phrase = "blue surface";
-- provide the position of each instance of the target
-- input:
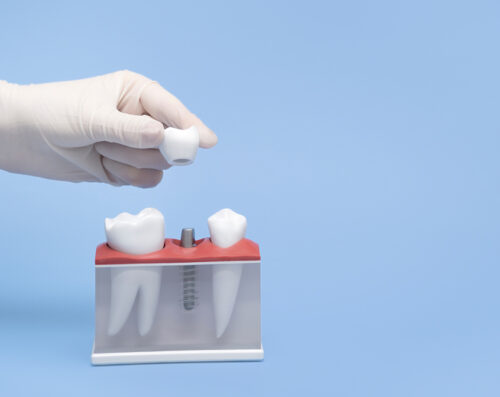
(361, 140)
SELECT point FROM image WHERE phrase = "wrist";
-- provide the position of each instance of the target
(18, 136)
(8, 110)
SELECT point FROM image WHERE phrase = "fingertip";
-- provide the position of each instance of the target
(153, 179)
(208, 138)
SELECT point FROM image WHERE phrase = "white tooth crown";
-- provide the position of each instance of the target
(136, 234)
(179, 147)
(226, 227)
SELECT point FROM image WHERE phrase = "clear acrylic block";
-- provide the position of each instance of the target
(192, 306)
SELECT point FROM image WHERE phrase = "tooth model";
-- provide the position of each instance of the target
(226, 229)
(171, 300)
(136, 235)
(179, 147)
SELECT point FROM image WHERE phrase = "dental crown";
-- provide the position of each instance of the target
(179, 147)
(227, 227)
(136, 234)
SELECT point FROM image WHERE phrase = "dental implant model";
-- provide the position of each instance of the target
(168, 300)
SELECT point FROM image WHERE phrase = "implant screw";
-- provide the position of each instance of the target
(188, 272)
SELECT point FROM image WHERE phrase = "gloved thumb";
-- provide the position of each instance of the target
(138, 132)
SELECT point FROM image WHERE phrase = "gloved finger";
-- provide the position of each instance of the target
(115, 181)
(127, 129)
(130, 175)
(165, 107)
(138, 158)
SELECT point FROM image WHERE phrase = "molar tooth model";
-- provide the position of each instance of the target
(135, 234)
(165, 300)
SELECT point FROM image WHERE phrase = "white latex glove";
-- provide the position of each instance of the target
(105, 129)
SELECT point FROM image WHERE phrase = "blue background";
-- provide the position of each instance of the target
(361, 139)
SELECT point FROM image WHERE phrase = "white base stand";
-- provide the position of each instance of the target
(172, 356)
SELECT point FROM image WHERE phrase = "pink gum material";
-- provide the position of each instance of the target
(172, 252)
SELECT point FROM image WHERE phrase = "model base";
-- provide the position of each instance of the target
(177, 356)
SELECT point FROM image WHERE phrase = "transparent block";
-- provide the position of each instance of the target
(184, 325)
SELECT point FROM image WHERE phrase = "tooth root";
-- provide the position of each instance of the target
(226, 282)
(125, 284)
(149, 296)
(124, 287)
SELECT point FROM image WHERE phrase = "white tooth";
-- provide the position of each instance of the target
(179, 146)
(226, 229)
(136, 235)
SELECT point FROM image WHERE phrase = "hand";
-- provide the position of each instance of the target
(104, 129)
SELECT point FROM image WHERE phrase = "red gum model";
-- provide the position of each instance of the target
(172, 252)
